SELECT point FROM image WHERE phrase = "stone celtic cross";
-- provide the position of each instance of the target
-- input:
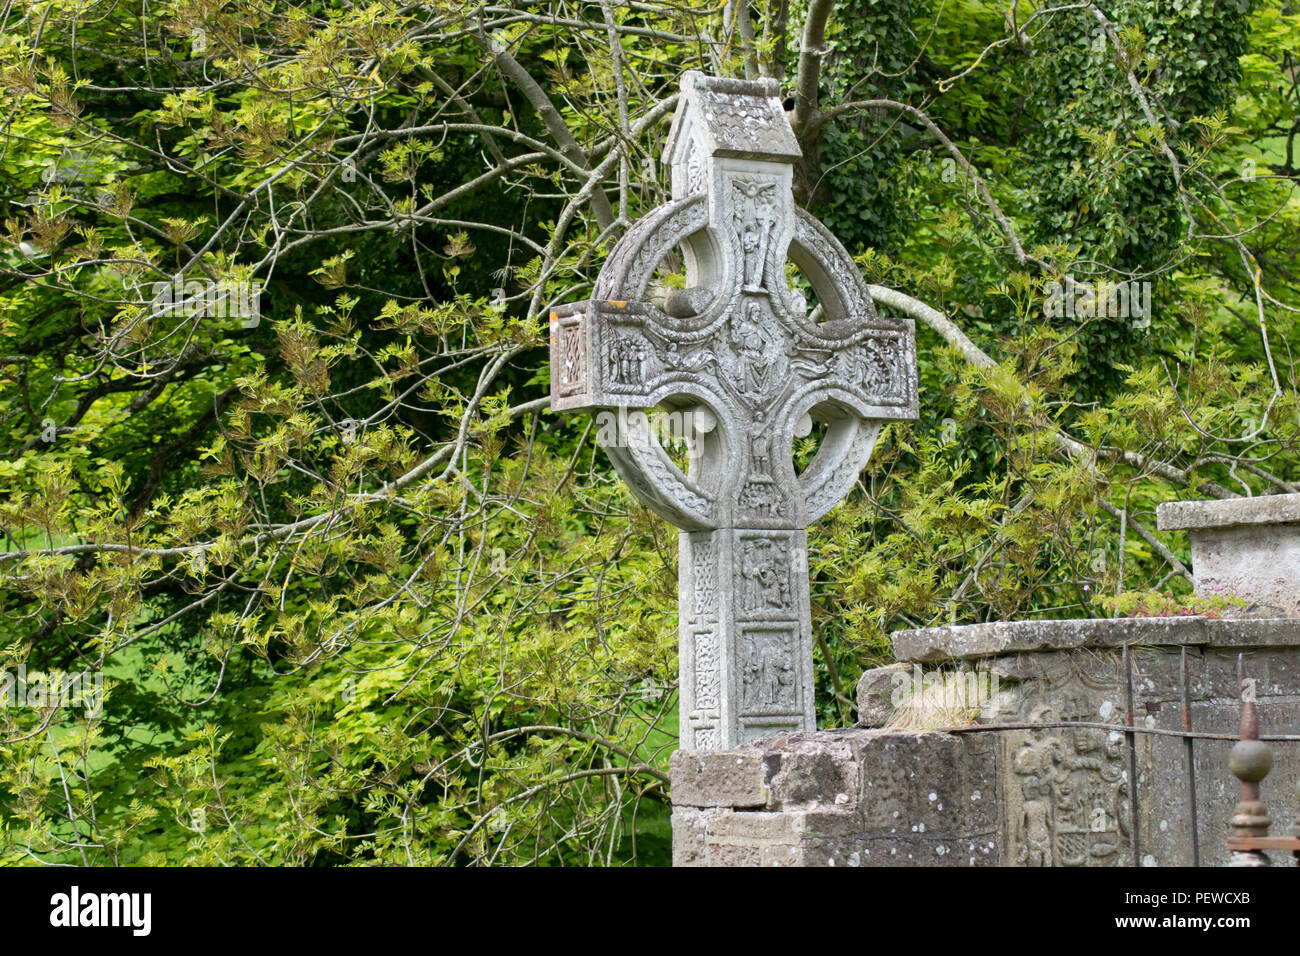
(739, 350)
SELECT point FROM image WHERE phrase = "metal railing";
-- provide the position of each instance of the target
(1250, 761)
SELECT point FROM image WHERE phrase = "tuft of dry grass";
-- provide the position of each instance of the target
(952, 700)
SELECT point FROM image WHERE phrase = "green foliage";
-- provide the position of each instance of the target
(1164, 604)
(356, 597)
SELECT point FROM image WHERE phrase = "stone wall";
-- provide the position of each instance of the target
(856, 797)
(1038, 796)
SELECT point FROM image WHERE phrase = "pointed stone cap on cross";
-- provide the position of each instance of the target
(738, 119)
(748, 367)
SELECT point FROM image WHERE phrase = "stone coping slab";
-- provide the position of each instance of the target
(971, 641)
(1232, 512)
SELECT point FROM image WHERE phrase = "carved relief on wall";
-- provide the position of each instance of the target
(761, 495)
(694, 168)
(760, 446)
(878, 374)
(689, 360)
(1067, 793)
(754, 348)
(760, 498)
(706, 738)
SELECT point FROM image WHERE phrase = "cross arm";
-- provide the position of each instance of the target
(605, 358)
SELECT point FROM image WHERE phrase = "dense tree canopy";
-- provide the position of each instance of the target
(356, 595)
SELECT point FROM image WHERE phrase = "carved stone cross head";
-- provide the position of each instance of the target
(741, 352)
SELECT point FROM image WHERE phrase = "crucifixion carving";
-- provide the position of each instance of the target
(738, 351)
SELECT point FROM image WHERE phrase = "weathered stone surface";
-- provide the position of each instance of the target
(740, 357)
(852, 798)
(717, 779)
(1264, 509)
(811, 774)
(1248, 547)
(877, 693)
(1260, 632)
(690, 836)
(1046, 796)
(970, 641)
(1258, 563)
(1004, 639)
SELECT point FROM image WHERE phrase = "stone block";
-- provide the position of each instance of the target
(877, 689)
(1249, 547)
(813, 770)
(718, 779)
(690, 832)
(999, 638)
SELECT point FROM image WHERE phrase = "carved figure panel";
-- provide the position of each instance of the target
(626, 361)
(572, 373)
(769, 659)
(1067, 790)
(765, 565)
(753, 216)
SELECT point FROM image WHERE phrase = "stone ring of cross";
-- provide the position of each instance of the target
(738, 351)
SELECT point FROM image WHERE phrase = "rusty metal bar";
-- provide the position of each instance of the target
(1191, 758)
(1096, 725)
(1295, 830)
(1132, 757)
(1250, 761)
(1241, 844)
